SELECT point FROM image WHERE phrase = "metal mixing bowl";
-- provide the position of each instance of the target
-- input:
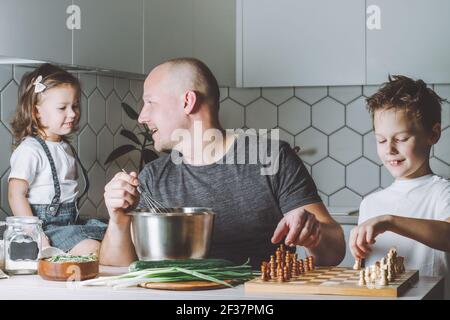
(180, 234)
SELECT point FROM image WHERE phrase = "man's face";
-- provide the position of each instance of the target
(403, 145)
(163, 108)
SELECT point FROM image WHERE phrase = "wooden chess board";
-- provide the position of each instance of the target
(333, 281)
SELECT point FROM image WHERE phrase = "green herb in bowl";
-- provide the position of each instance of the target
(70, 258)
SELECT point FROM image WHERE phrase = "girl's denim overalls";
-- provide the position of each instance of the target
(60, 220)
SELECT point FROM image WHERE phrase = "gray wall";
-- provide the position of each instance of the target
(330, 124)
(333, 129)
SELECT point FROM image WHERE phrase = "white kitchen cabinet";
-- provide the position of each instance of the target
(300, 43)
(35, 30)
(168, 31)
(411, 37)
(204, 29)
(110, 35)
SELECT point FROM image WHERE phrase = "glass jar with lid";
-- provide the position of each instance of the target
(22, 244)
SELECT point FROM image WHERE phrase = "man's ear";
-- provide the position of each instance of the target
(435, 133)
(190, 101)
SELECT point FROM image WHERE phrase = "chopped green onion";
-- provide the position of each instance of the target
(233, 273)
(70, 258)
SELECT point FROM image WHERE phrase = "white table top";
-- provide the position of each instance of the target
(31, 287)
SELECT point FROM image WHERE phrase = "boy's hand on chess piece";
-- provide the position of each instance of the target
(363, 235)
(121, 194)
(300, 227)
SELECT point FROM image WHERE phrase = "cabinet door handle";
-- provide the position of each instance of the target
(373, 19)
(74, 19)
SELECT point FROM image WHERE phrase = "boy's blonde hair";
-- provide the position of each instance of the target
(413, 97)
(25, 121)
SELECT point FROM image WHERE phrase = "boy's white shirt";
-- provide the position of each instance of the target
(426, 197)
(29, 162)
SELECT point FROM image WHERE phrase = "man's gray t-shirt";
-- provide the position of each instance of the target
(248, 205)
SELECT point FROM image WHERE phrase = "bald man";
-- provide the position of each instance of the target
(254, 209)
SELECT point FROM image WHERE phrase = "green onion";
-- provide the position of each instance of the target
(233, 273)
(70, 258)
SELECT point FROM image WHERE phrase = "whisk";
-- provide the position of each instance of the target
(151, 203)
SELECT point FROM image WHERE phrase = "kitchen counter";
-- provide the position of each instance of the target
(344, 215)
(33, 287)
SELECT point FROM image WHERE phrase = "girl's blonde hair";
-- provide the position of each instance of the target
(25, 121)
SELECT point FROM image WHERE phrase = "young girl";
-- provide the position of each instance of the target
(43, 178)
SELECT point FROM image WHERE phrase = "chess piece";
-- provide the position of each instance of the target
(373, 274)
(377, 270)
(362, 276)
(273, 267)
(311, 263)
(264, 274)
(294, 270)
(301, 266)
(399, 265)
(280, 276)
(357, 265)
(287, 260)
(391, 268)
(286, 273)
(390, 271)
(383, 263)
(383, 279)
(367, 275)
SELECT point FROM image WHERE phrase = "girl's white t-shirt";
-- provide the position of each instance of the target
(426, 197)
(30, 163)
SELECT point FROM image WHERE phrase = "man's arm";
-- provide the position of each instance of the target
(117, 248)
(312, 226)
(331, 249)
(433, 233)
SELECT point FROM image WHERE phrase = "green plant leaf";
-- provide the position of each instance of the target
(149, 155)
(119, 151)
(130, 111)
(130, 135)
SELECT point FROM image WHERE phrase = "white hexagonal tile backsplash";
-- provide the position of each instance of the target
(328, 115)
(345, 145)
(8, 103)
(294, 115)
(96, 111)
(330, 124)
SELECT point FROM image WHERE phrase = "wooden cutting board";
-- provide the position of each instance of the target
(184, 285)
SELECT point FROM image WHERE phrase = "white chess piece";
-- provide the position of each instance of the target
(383, 280)
(362, 281)
(357, 265)
(367, 275)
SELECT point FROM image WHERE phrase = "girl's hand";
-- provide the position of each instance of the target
(121, 194)
(363, 235)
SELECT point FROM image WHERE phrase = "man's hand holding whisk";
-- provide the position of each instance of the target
(121, 194)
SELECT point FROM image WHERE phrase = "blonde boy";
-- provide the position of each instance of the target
(412, 214)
